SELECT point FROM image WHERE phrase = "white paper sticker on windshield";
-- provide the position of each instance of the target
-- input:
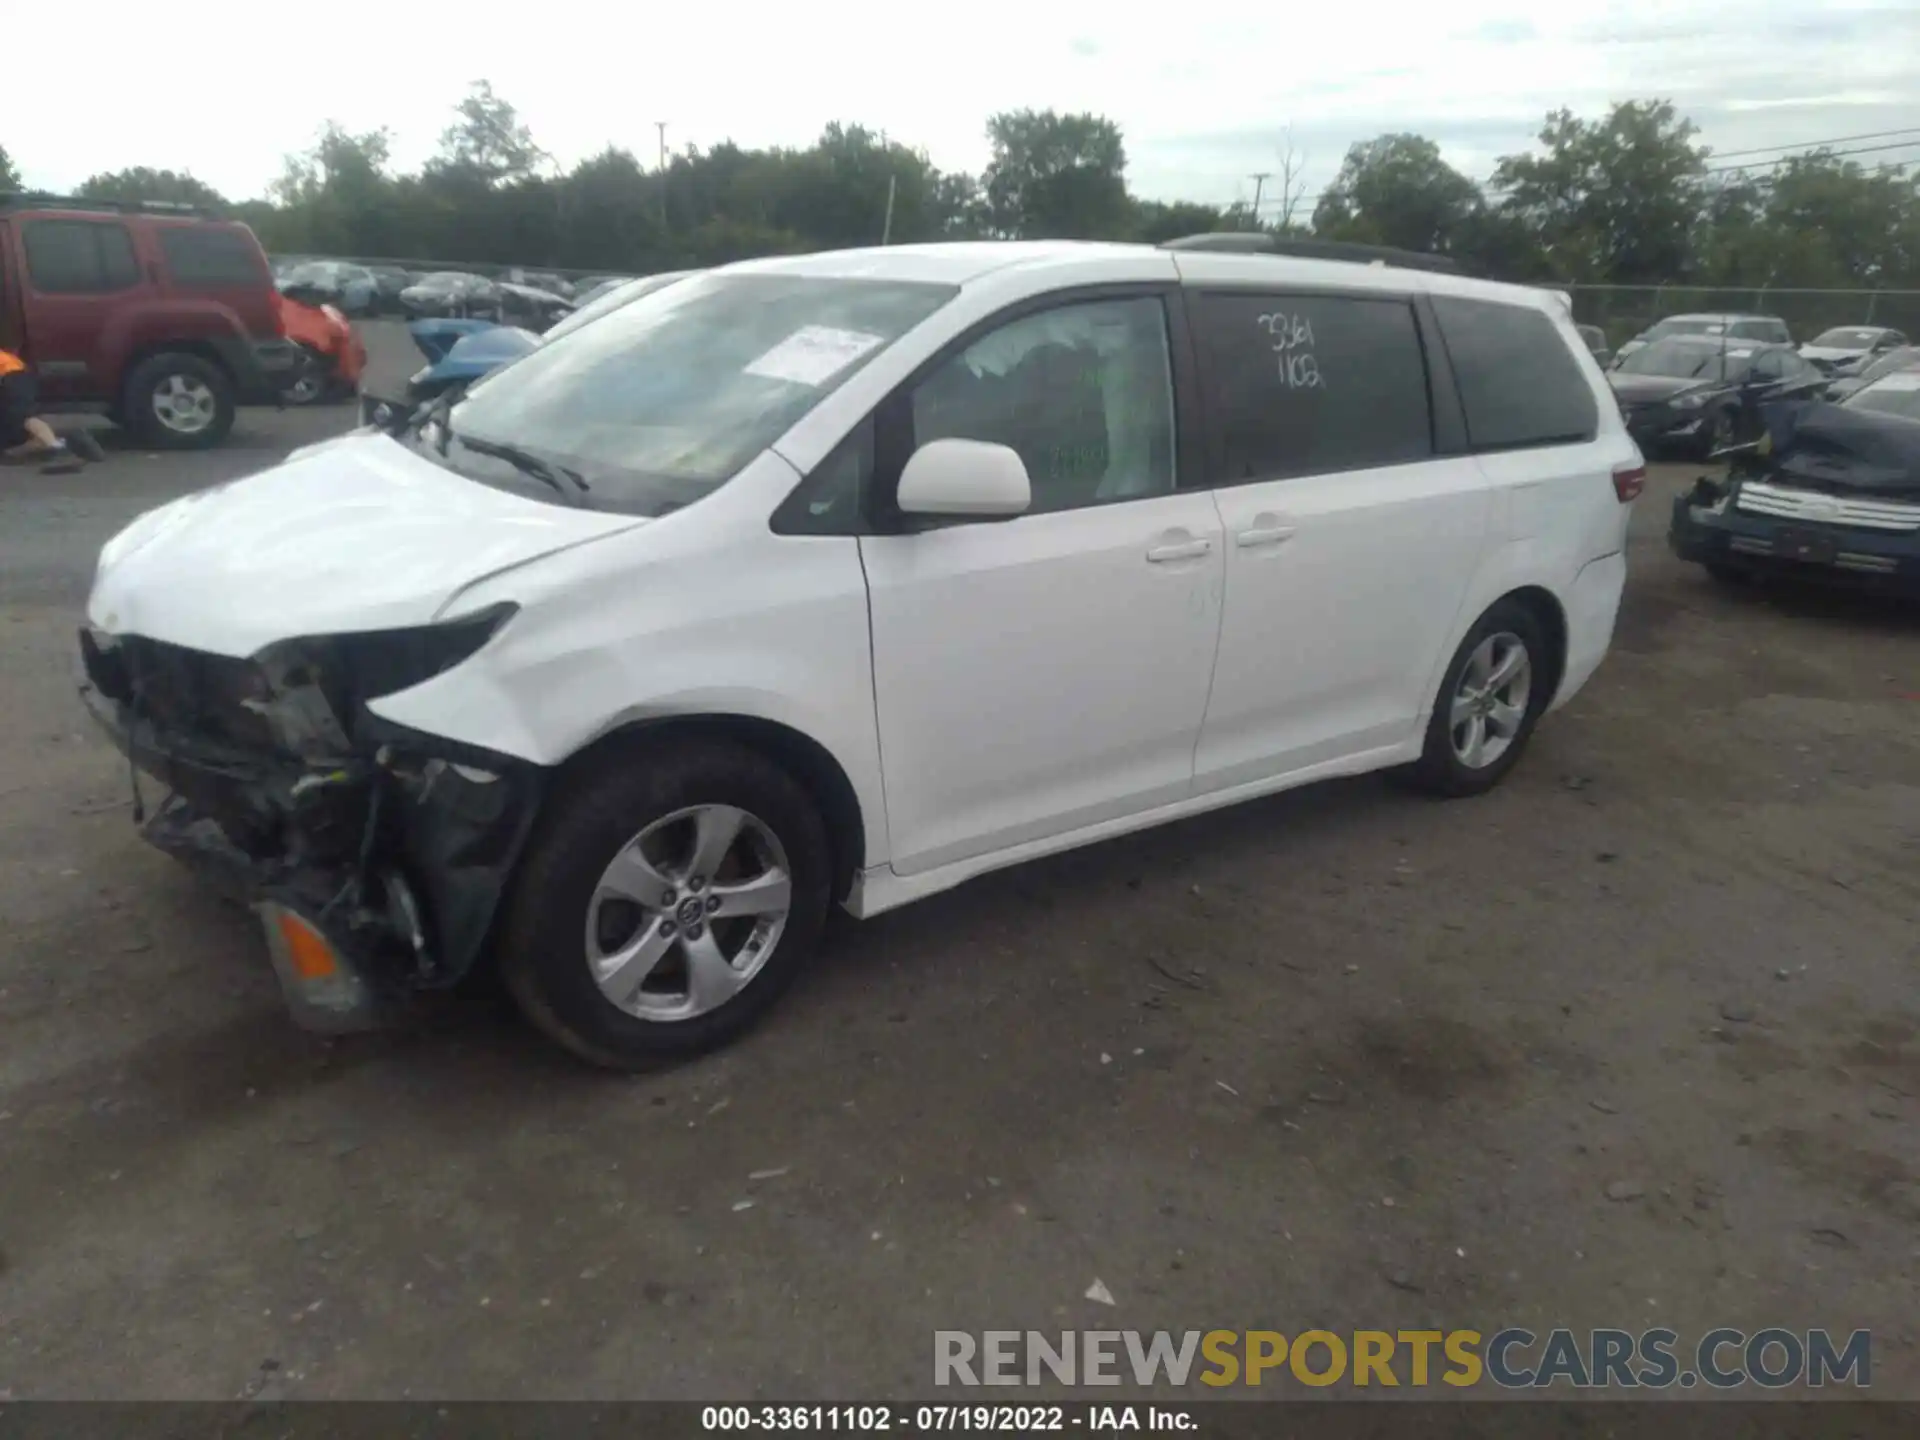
(813, 354)
(1740, 352)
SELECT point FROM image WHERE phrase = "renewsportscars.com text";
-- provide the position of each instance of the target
(1512, 1358)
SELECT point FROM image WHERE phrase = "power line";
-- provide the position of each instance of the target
(1817, 144)
(1810, 150)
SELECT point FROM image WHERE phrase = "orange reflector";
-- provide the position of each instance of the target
(307, 949)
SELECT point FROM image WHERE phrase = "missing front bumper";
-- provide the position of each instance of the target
(390, 867)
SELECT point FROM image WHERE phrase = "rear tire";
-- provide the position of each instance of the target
(576, 907)
(177, 401)
(1502, 713)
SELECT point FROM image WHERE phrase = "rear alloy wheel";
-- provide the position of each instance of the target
(669, 897)
(1488, 704)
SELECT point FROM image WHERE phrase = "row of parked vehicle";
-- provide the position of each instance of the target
(529, 297)
(1693, 383)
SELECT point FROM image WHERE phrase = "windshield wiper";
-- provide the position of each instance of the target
(556, 477)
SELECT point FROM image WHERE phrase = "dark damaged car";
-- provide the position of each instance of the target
(1827, 492)
(1700, 395)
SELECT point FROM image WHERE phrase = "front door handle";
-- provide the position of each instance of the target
(1181, 550)
(1263, 535)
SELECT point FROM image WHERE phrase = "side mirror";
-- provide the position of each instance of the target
(971, 478)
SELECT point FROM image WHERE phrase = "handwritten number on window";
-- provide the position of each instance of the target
(1292, 340)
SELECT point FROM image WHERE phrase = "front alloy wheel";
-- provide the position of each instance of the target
(689, 910)
(671, 892)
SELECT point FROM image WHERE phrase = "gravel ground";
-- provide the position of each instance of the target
(1631, 1041)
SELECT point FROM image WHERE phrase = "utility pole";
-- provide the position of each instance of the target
(886, 230)
(661, 126)
(1259, 178)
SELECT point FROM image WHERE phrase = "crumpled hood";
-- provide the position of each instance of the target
(354, 534)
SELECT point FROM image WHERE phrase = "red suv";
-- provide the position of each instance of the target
(161, 317)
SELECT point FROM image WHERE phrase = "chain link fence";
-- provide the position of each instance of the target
(1623, 311)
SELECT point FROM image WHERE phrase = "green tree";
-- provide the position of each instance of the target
(142, 184)
(487, 140)
(9, 175)
(1056, 176)
(1611, 200)
(1852, 226)
(337, 197)
(1396, 190)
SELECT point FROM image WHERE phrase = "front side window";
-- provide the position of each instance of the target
(1083, 393)
(661, 401)
(79, 257)
(206, 257)
(1311, 384)
(1519, 384)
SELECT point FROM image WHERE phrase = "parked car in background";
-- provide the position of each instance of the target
(389, 281)
(1698, 392)
(164, 320)
(451, 292)
(347, 287)
(334, 354)
(1849, 349)
(1833, 495)
(1891, 363)
(847, 577)
(1596, 341)
(1746, 329)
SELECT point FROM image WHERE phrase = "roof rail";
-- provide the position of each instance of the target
(1261, 242)
(31, 200)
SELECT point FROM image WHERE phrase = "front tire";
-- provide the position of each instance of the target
(670, 896)
(1492, 696)
(177, 401)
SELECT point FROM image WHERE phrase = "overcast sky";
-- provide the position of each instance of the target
(1205, 94)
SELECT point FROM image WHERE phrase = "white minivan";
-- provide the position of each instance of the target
(842, 578)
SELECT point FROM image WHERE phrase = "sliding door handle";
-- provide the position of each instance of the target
(1180, 550)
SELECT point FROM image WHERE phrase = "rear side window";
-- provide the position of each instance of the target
(1310, 384)
(198, 256)
(79, 257)
(1519, 383)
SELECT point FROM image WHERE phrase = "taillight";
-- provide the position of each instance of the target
(1628, 482)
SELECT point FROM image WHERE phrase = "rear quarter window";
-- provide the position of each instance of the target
(213, 258)
(1309, 384)
(1519, 383)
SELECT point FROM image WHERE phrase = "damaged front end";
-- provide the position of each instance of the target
(374, 855)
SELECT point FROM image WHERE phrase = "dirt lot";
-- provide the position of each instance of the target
(1343, 1058)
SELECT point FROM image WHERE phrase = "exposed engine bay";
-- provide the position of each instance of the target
(376, 855)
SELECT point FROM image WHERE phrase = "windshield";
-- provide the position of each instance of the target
(1847, 338)
(1895, 395)
(664, 400)
(1679, 360)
